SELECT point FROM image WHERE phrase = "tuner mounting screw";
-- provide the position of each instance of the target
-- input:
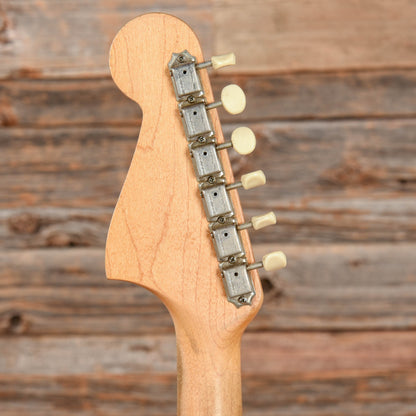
(242, 299)
(201, 139)
(181, 59)
(231, 259)
(221, 220)
(191, 99)
(211, 179)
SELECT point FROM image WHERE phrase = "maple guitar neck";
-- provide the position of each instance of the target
(209, 372)
(161, 237)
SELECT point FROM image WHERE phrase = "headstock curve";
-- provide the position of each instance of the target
(158, 236)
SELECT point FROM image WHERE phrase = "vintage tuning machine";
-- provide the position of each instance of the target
(233, 98)
(210, 175)
(243, 141)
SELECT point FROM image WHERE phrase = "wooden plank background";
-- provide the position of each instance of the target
(331, 89)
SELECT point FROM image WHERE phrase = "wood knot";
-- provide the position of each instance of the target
(357, 262)
(63, 239)
(267, 285)
(8, 117)
(270, 289)
(5, 28)
(16, 324)
(24, 223)
(25, 72)
(350, 173)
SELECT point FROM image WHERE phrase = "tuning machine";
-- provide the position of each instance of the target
(233, 98)
(237, 282)
(204, 150)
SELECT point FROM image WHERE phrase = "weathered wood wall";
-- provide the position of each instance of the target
(331, 91)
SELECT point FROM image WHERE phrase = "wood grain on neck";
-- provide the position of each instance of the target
(159, 237)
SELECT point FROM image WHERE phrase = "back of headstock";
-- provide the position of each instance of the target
(159, 236)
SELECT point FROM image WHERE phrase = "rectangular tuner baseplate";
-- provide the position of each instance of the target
(216, 202)
(186, 81)
(238, 284)
(228, 243)
(195, 120)
(211, 178)
(206, 161)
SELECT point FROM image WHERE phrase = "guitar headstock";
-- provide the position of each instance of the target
(162, 236)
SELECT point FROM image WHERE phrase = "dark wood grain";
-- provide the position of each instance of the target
(370, 373)
(54, 227)
(343, 393)
(319, 35)
(42, 39)
(326, 287)
(263, 354)
(67, 102)
(72, 38)
(328, 181)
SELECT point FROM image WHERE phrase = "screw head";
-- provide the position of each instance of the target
(211, 179)
(181, 59)
(242, 299)
(201, 139)
(221, 220)
(191, 99)
(231, 259)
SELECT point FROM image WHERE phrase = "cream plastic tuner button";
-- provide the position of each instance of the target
(274, 261)
(259, 221)
(243, 140)
(233, 99)
(249, 181)
(253, 179)
(262, 221)
(220, 61)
